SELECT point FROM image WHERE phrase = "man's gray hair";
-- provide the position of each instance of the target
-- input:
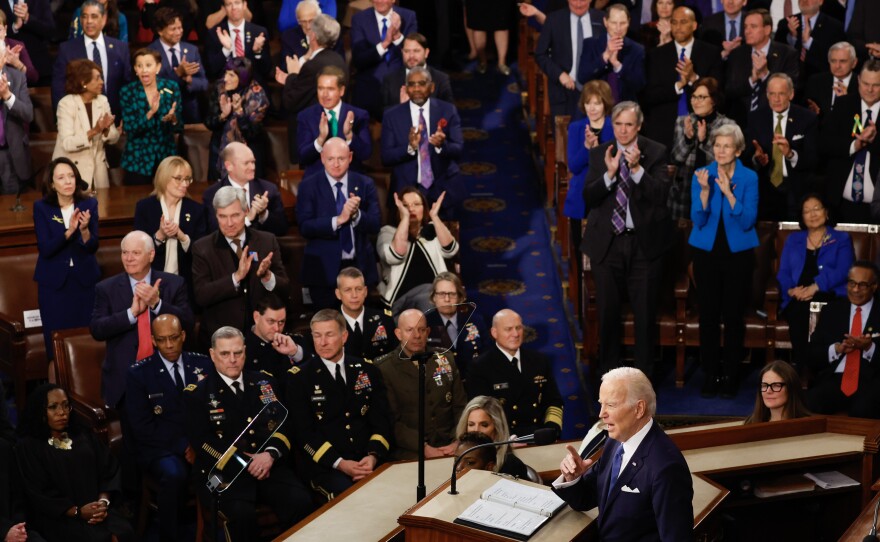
(145, 239)
(420, 70)
(308, 4)
(628, 106)
(638, 387)
(326, 30)
(226, 196)
(785, 77)
(843, 45)
(225, 332)
(94, 4)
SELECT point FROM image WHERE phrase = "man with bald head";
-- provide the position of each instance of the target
(522, 380)
(154, 406)
(126, 303)
(444, 393)
(337, 210)
(672, 71)
(265, 210)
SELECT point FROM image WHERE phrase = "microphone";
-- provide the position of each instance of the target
(872, 535)
(594, 445)
(541, 437)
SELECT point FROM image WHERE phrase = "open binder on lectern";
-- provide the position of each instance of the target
(512, 509)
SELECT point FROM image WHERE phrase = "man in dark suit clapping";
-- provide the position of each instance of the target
(415, 53)
(823, 89)
(628, 231)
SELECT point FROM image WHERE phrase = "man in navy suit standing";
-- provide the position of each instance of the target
(154, 408)
(236, 36)
(614, 58)
(180, 62)
(422, 141)
(266, 210)
(559, 51)
(109, 53)
(376, 38)
(784, 150)
(811, 33)
(124, 306)
(641, 484)
(337, 210)
(331, 117)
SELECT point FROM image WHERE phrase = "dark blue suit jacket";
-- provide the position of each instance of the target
(834, 260)
(396, 125)
(275, 223)
(189, 92)
(632, 74)
(147, 216)
(553, 55)
(315, 207)
(110, 323)
(307, 122)
(661, 510)
(118, 69)
(155, 407)
(371, 67)
(55, 252)
(802, 132)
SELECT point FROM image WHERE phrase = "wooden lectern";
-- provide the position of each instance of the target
(432, 519)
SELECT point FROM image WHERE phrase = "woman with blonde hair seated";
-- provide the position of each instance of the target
(175, 220)
(85, 123)
(485, 414)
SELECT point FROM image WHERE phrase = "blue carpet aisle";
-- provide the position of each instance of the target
(506, 255)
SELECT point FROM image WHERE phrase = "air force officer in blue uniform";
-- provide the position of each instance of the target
(154, 405)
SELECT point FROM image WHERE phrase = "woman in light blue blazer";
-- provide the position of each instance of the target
(724, 208)
(66, 225)
(814, 266)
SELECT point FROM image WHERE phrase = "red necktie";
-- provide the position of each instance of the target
(145, 341)
(850, 381)
(239, 47)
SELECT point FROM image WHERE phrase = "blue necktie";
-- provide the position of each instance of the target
(580, 49)
(382, 35)
(615, 470)
(732, 34)
(850, 8)
(345, 239)
(174, 61)
(98, 59)
(683, 99)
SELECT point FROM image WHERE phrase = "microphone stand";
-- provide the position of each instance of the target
(421, 358)
(454, 479)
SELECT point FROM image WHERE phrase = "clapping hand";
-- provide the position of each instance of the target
(723, 182)
(783, 144)
(688, 127)
(225, 38)
(728, 46)
(170, 116)
(20, 11)
(612, 163)
(225, 106)
(263, 272)
(12, 57)
(259, 204)
(169, 228)
(437, 138)
(703, 179)
(761, 157)
(633, 156)
(74, 223)
(259, 43)
(149, 295)
(414, 138)
(244, 264)
(591, 140)
(794, 24)
(83, 220)
(701, 130)
(434, 213)
(759, 65)
(17, 533)
(402, 211)
(349, 210)
(348, 126)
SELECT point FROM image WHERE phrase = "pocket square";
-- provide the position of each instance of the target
(627, 489)
(798, 136)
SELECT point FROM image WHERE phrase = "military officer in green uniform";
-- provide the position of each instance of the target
(342, 425)
(444, 393)
(218, 409)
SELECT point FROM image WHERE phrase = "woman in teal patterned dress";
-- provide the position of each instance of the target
(149, 118)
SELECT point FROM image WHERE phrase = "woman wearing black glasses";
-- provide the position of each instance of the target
(174, 220)
(780, 396)
(72, 478)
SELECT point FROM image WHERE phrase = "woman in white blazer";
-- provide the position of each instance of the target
(85, 123)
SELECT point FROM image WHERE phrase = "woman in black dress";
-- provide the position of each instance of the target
(72, 478)
(482, 17)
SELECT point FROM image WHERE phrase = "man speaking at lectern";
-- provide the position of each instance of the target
(641, 484)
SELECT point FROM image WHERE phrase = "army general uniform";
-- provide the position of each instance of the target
(445, 400)
(216, 415)
(336, 421)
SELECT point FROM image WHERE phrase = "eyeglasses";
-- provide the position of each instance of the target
(185, 181)
(446, 294)
(700, 97)
(775, 386)
(64, 407)
(859, 285)
(813, 210)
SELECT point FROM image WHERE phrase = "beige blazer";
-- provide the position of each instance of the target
(73, 142)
